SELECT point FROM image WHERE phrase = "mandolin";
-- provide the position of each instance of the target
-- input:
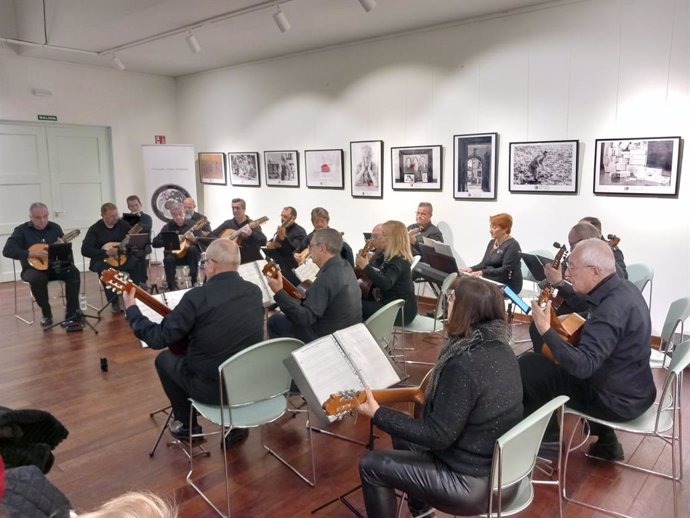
(271, 269)
(236, 235)
(118, 282)
(121, 258)
(346, 401)
(41, 263)
(184, 243)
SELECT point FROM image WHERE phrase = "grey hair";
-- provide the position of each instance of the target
(224, 251)
(330, 238)
(37, 205)
(428, 206)
(597, 253)
(176, 206)
(585, 231)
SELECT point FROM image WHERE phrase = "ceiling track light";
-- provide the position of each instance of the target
(193, 43)
(118, 63)
(368, 4)
(281, 20)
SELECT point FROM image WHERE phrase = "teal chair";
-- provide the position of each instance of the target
(677, 314)
(254, 386)
(381, 323)
(641, 275)
(660, 419)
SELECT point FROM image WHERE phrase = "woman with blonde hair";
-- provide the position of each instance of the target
(394, 278)
(134, 505)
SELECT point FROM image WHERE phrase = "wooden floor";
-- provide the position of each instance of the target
(111, 433)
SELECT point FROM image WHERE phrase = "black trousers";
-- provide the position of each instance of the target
(180, 384)
(170, 262)
(425, 479)
(542, 381)
(133, 266)
(38, 281)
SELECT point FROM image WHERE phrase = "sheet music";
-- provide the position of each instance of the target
(443, 249)
(170, 299)
(252, 272)
(371, 363)
(308, 270)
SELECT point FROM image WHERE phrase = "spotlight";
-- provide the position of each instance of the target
(118, 63)
(193, 43)
(368, 4)
(281, 21)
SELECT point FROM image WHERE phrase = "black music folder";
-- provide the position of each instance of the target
(439, 261)
(132, 219)
(138, 241)
(171, 241)
(60, 253)
(535, 264)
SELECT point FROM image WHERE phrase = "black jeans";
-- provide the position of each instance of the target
(170, 262)
(38, 281)
(425, 479)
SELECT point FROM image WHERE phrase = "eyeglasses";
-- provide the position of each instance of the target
(572, 268)
(418, 213)
(312, 245)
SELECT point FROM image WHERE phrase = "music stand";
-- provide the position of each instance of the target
(132, 219)
(171, 241)
(535, 264)
(138, 241)
(60, 257)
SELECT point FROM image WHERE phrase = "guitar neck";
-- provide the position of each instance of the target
(398, 395)
(150, 301)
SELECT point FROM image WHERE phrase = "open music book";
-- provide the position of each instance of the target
(307, 271)
(170, 299)
(345, 360)
(252, 272)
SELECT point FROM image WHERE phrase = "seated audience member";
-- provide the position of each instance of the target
(423, 227)
(607, 375)
(332, 302)
(443, 458)
(501, 261)
(18, 246)
(617, 252)
(218, 319)
(394, 276)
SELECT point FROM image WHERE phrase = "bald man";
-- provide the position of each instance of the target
(607, 375)
(220, 318)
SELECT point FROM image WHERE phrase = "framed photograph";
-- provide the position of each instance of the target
(244, 169)
(324, 168)
(475, 167)
(212, 168)
(640, 166)
(549, 166)
(282, 168)
(416, 168)
(366, 165)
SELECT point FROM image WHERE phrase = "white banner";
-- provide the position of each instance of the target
(170, 176)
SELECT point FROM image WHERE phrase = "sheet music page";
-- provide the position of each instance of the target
(443, 249)
(172, 298)
(326, 368)
(150, 313)
(369, 360)
(308, 270)
(252, 272)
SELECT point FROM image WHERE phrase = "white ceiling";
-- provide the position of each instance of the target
(248, 32)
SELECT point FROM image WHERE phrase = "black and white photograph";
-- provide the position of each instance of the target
(212, 168)
(366, 165)
(639, 166)
(416, 168)
(244, 169)
(549, 166)
(475, 166)
(282, 168)
(324, 168)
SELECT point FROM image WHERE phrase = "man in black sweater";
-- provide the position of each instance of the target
(252, 239)
(146, 223)
(40, 230)
(289, 238)
(423, 227)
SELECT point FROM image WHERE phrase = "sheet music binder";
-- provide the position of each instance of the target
(170, 299)
(345, 360)
(535, 264)
(60, 253)
(253, 272)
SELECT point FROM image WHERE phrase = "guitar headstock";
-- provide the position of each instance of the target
(343, 402)
(116, 281)
(271, 269)
(258, 222)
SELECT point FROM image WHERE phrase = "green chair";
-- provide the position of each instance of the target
(657, 421)
(254, 386)
(415, 261)
(381, 323)
(640, 275)
(678, 313)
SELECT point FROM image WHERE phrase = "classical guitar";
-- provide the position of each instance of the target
(280, 233)
(117, 282)
(236, 235)
(568, 326)
(184, 242)
(346, 401)
(41, 263)
(365, 284)
(121, 258)
(271, 269)
(613, 241)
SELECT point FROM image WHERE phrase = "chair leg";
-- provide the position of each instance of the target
(311, 482)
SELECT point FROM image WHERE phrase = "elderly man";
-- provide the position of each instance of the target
(423, 227)
(219, 319)
(607, 374)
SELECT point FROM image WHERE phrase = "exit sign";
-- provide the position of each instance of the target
(47, 118)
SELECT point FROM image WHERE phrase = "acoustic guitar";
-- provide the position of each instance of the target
(184, 243)
(613, 241)
(41, 263)
(271, 269)
(236, 235)
(121, 258)
(118, 282)
(365, 284)
(344, 402)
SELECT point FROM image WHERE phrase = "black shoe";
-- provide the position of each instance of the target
(72, 319)
(236, 436)
(181, 432)
(46, 321)
(606, 450)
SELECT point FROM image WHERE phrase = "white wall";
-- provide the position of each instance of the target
(135, 107)
(584, 70)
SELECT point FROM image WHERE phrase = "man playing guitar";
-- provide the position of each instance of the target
(289, 237)
(19, 246)
(252, 239)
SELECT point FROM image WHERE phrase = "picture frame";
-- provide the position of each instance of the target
(475, 166)
(213, 168)
(282, 168)
(324, 168)
(366, 166)
(245, 169)
(637, 166)
(549, 166)
(417, 168)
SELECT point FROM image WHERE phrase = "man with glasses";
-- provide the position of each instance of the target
(333, 302)
(423, 227)
(607, 374)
